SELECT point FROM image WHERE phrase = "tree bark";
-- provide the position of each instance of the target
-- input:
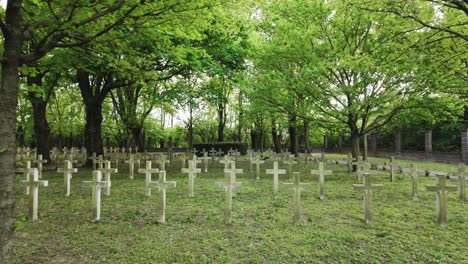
(306, 136)
(41, 125)
(364, 147)
(292, 135)
(139, 139)
(221, 122)
(12, 45)
(355, 146)
(275, 136)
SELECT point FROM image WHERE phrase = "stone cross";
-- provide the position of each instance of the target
(367, 188)
(67, 171)
(96, 184)
(195, 160)
(131, 165)
(107, 171)
(297, 187)
(229, 185)
(362, 167)
(205, 159)
(275, 171)
(414, 174)
(94, 160)
(162, 185)
(257, 161)
(192, 174)
(148, 171)
(26, 170)
(232, 169)
(461, 182)
(321, 172)
(290, 162)
(33, 183)
(183, 157)
(393, 165)
(442, 191)
(212, 155)
(100, 162)
(350, 163)
(39, 162)
(162, 162)
(226, 161)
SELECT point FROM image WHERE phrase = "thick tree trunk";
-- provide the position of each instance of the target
(41, 126)
(306, 136)
(139, 139)
(12, 44)
(221, 122)
(292, 135)
(275, 136)
(190, 129)
(355, 146)
(364, 147)
(93, 137)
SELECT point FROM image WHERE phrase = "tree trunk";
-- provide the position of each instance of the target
(355, 146)
(139, 139)
(93, 138)
(240, 118)
(364, 147)
(12, 45)
(221, 122)
(292, 135)
(190, 128)
(41, 126)
(306, 136)
(275, 136)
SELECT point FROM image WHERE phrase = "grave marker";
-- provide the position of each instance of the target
(107, 171)
(26, 170)
(39, 163)
(205, 159)
(275, 171)
(367, 188)
(460, 178)
(162, 185)
(229, 185)
(257, 161)
(148, 171)
(290, 162)
(96, 184)
(321, 172)
(442, 190)
(131, 166)
(67, 171)
(297, 187)
(33, 183)
(192, 174)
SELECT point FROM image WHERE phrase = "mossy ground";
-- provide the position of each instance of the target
(262, 231)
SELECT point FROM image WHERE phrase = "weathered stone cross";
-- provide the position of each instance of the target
(100, 162)
(297, 187)
(67, 171)
(205, 159)
(33, 182)
(321, 172)
(392, 166)
(460, 178)
(148, 171)
(257, 161)
(162, 162)
(442, 191)
(275, 171)
(192, 174)
(229, 185)
(232, 169)
(162, 185)
(107, 171)
(94, 160)
(26, 170)
(96, 184)
(226, 160)
(131, 164)
(290, 162)
(212, 155)
(367, 188)
(39, 162)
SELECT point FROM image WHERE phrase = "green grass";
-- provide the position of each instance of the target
(262, 231)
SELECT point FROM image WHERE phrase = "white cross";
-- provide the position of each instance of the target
(148, 171)
(321, 172)
(33, 183)
(257, 161)
(290, 162)
(107, 170)
(96, 184)
(39, 162)
(367, 188)
(131, 165)
(229, 185)
(461, 182)
(205, 159)
(26, 170)
(297, 187)
(275, 171)
(192, 174)
(67, 171)
(162, 185)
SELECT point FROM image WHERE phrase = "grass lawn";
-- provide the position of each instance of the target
(262, 229)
